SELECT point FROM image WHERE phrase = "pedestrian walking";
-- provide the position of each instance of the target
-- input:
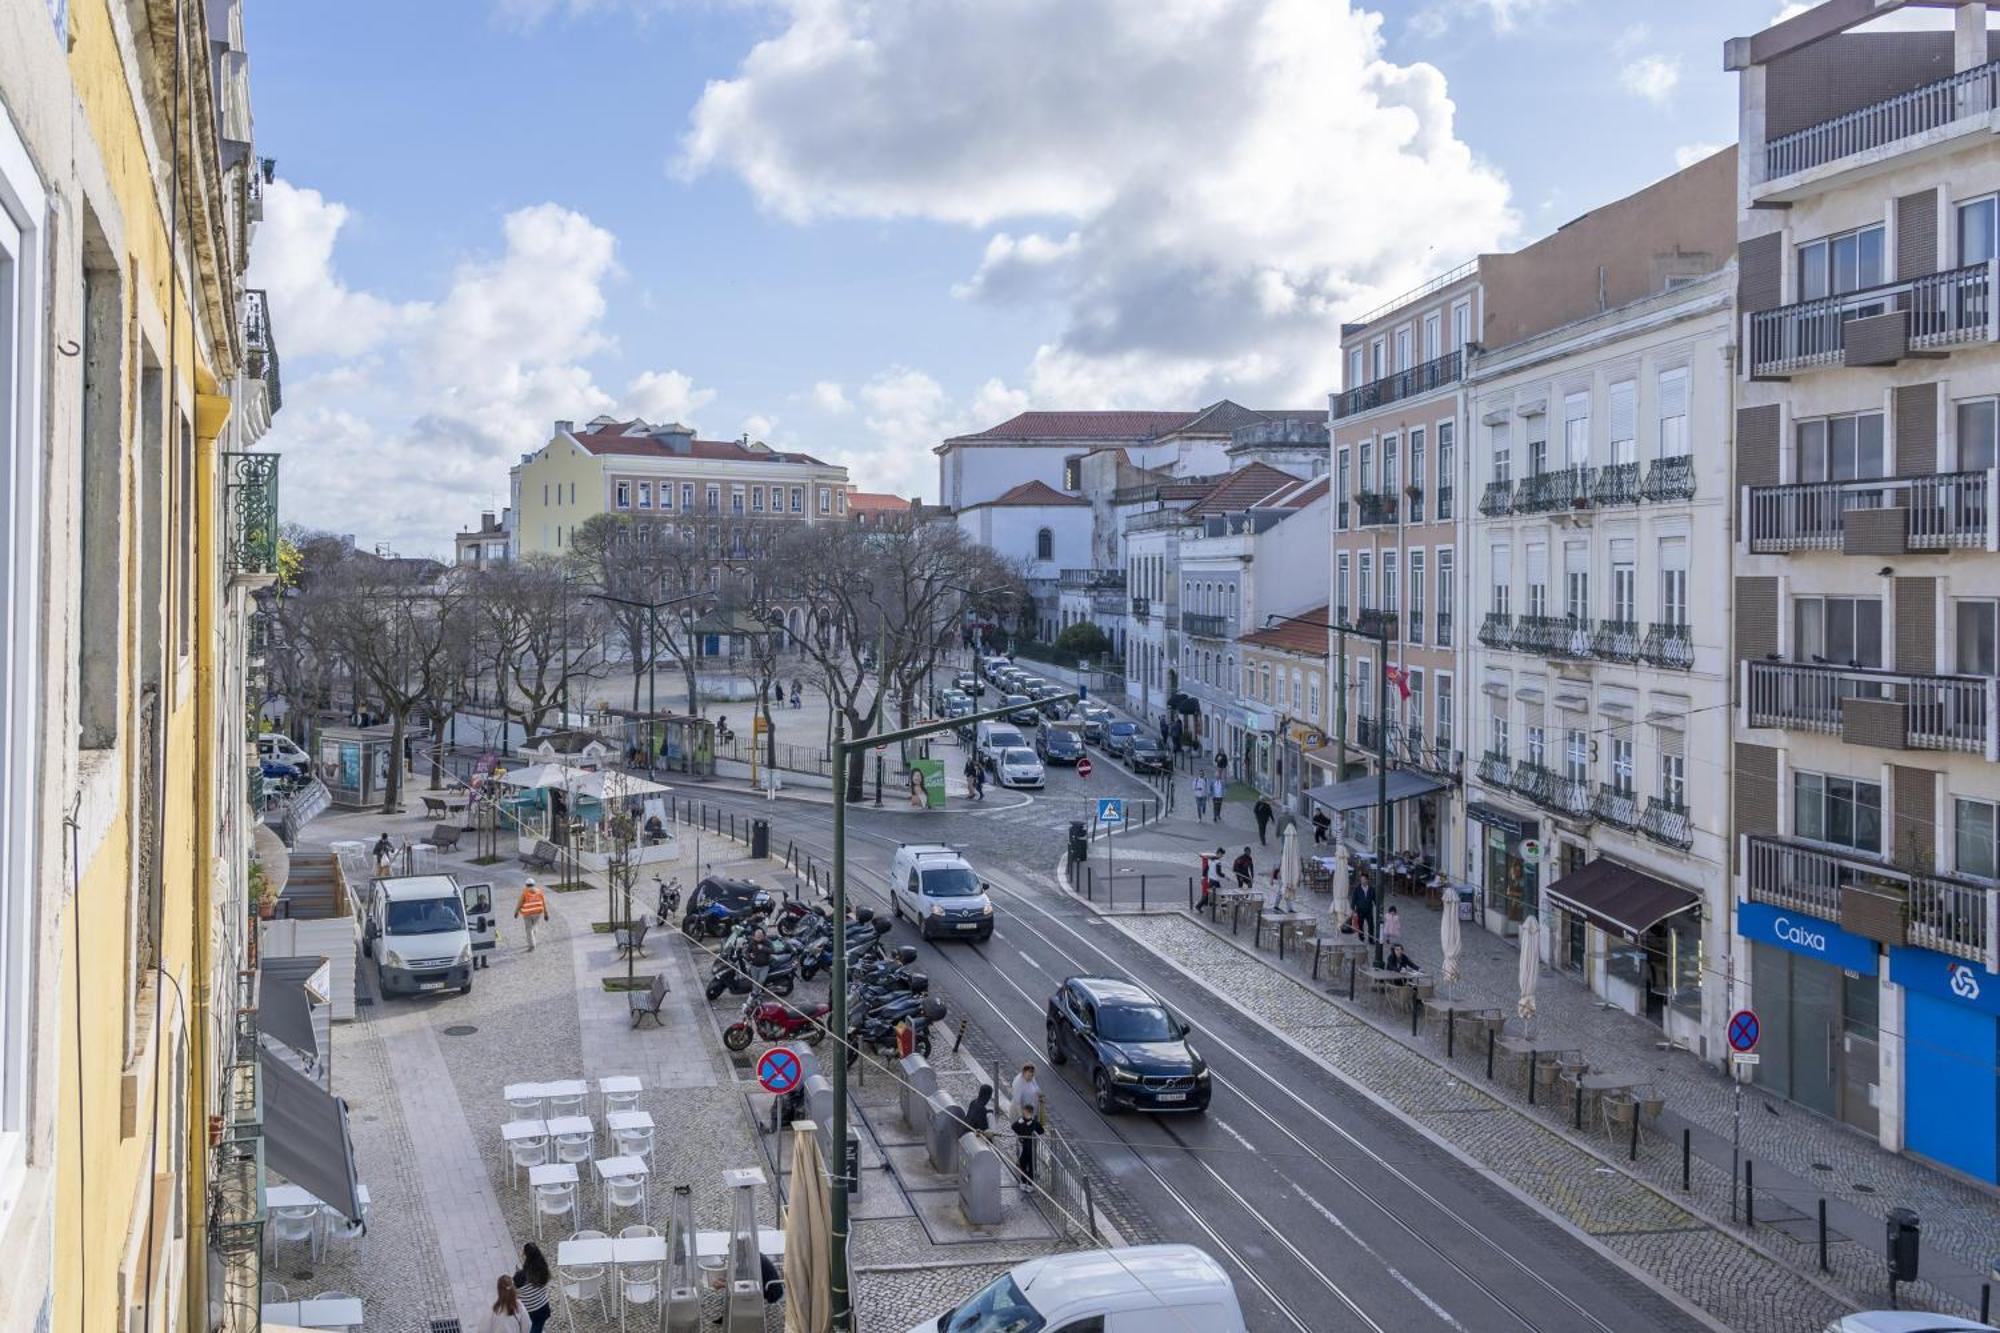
(507, 1314)
(1364, 906)
(978, 1116)
(1245, 867)
(797, 695)
(1200, 797)
(531, 1282)
(1221, 763)
(384, 852)
(1321, 827)
(975, 779)
(1263, 812)
(1210, 868)
(532, 909)
(1215, 797)
(1027, 1097)
(1392, 927)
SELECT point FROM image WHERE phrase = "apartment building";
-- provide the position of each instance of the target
(1867, 572)
(636, 468)
(136, 374)
(487, 544)
(1600, 680)
(1285, 695)
(1400, 473)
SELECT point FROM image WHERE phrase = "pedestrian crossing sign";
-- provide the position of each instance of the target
(1110, 809)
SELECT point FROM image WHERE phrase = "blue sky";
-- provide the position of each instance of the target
(855, 226)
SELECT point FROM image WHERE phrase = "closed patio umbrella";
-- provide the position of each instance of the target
(1531, 966)
(1449, 942)
(1343, 895)
(808, 1238)
(1290, 872)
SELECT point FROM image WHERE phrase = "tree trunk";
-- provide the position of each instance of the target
(693, 685)
(392, 793)
(437, 750)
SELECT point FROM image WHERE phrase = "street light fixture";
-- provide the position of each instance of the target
(652, 610)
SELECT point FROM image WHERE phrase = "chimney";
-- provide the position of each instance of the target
(565, 428)
(486, 523)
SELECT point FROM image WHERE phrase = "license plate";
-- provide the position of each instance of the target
(432, 985)
(968, 925)
(1173, 1096)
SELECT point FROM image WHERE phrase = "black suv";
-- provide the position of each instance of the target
(1134, 1052)
(1058, 745)
(1021, 710)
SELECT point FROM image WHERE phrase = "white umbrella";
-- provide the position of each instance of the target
(1342, 891)
(615, 788)
(808, 1238)
(1531, 966)
(1289, 870)
(1448, 938)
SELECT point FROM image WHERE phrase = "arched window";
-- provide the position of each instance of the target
(1045, 545)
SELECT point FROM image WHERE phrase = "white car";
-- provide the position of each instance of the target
(1018, 766)
(1904, 1321)
(1146, 1287)
(995, 738)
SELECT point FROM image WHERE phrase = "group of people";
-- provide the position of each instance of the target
(521, 1302)
(1030, 1116)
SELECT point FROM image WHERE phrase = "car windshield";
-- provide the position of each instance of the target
(1021, 756)
(425, 916)
(1124, 728)
(1146, 1022)
(955, 882)
(1003, 738)
(1146, 747)
(1016, 699)
(1061, 740)
(1001, 1308)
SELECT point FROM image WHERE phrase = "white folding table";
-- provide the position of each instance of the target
(624, 1166)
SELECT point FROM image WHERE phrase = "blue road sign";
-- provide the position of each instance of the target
(1743, 1031)
(1110, 809)
(778, 1070)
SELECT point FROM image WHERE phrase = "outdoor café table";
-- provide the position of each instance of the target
(608, 1167)
(571, 1124)
(1287, 923)
(715, 1244)
(568, 1087)
(612, 1085)
(1340, 946)
(514, 1131)
(315, 1314)
(553, 1173)
(1610, 1082)
(626, 1120)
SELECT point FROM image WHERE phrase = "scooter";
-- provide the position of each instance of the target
(669, 900)
(775, 1022)
(731, 963)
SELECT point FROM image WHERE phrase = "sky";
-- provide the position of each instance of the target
(856, 227)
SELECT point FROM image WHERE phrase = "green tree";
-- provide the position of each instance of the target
(1083, 639)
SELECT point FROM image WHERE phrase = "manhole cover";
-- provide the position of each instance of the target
(1864, 1189)
(1821, 1166)
(460, 1030)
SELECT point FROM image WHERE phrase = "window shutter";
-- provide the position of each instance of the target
(1624, 411)
(1503, 564)
(1673, 393)
(1671, 740)
(1538, 563)
(1673, 553)
(1624, 551)
(1576, 557)
(1576, 407)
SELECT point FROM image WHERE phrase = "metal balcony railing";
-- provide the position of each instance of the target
(1670, 646)
(1497, 630)
(1094, 580)
(1943, 511)
(1669, 480)
(1366, 734)
(1667, 824)
(1497, 501)
(1142, 607)
(1937, 712)
(1548, 492)
(1534, 781)
(260, 349)
(1616, 640)
(1617, 806)
(1921, 109)
(1414, 627)
(1943, 309)
(1569, 638)
(1572, 798)
(1495, 768)
(1617, 484)
(1374, 509)
(251, 486)
(1444, 629)
(1378, 624)
(1432, 374)
(1204, 625)
(1952, 914)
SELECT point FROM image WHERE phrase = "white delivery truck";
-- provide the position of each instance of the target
(993, 739)
(937, 888)
(1144, 1289)
(419, 933)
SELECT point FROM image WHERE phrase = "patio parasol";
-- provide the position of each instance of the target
(808, 1235)
(1290, 872)
(1449, 942)
(1531, 965)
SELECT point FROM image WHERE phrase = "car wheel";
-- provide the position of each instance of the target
(1102, 1084)
(1057, 1055)
(895, 907)
(924, 1044)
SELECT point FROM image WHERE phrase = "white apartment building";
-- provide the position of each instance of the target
(1596, 552)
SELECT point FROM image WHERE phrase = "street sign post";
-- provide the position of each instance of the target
(1083, 767)
(1744, 1029)
(1110, 812)
(778, 1070)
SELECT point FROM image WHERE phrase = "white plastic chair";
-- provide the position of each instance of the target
(570, 1103)
(624, 1192)
(620, 1101)
(338, 1296)
(274, 1293)
(636, 1143)
(524, 1153)
(525, 1108)
(584, 1284)
(639, 1284)
(338, 1227)
(574, 1148)
(639, 1231)
(554, 1201)
(295, 1223)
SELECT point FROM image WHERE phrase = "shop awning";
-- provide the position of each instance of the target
(1493, 816)
(1360, 793)
(1620, 899)
(1183, 703)
(287, 989)
(305, 1136)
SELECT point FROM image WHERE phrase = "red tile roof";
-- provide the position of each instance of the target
(875, 500)
(615, 440)
(1242, 488)
(1084, 426)
(1297, 496)
(1303, 633)
(1031, 494)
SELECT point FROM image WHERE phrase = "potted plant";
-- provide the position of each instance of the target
(262, 891)
(1414, 491)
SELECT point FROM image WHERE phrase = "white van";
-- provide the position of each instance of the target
(1116, 1291)
(416, 932)
(273, 748)
(937, 888)
(996, 738)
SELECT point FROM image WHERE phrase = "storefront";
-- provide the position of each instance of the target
(1817, 992)
(1352, 805)
(1508, 882)
(1643, 951)
(1951, 1051)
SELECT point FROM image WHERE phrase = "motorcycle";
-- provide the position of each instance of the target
(731, 965)
(795, 915)
(878, 1031)
(770, 1021)
(669, 900)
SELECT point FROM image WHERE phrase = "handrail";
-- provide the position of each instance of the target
(1952, 306)
(1926, 107)
(1946, 510)
(1940, 712)
(1405, 383)
(1436, 284)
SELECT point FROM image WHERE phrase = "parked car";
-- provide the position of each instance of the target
(1060, 744)
(937, 888)
(1018, 767)
(1095, 719)
(1132, 1050)
(1118, 735)
(969, 684)
(1169, 1287)
(1904, 1321)
(1021, 710)
(275, 749)
(993, 739)
(416, 931)
(1146, 755)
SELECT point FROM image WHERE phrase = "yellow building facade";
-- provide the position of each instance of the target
(139, 376)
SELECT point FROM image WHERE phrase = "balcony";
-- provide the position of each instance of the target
(1142, 607)
(251, 515)
(1669, 481)
(1497, 501)
(1878, 515)
(1960, 97)
(1667, 824)
(1421, 379)
(1533, 781)
(1617, 484)
(1495, 768)
(1872, 896)
(260, 350)
(1885, 709)
(1367, 736)
(1565, 638)
(1444, 629)
(1876, 326)
(1553, 492)
(1377, 624)
(1375, 509)
(1205, 626)
(1616, 641)
(1617, 806)
(1496, 631)
(1669, 646)
(1572, 798)
(1093, 580)
(1414, 629)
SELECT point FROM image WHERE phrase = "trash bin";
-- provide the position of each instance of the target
(1904, 1235)
(1079, 842)
(760, 839)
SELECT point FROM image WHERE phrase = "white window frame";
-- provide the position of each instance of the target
(621, 495)
(645, 495)
(1445, 724)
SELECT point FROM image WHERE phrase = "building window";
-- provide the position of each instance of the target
(1977, 622)
(1674, 413)
(1503, 581)
(1340, 488)
(1447, 462)
(1417, 474)
(1625, 422)
(1974, 830)
(1444, 713)
(1841, 631)
(1847, 263)
(736, 501)
(1576, 754)
(1538, 445)
(1367, 581)
(687, 497)
(1975, 231)
(1461, 325)
(1391, 474)
(1621, 763)
(1625, 581)
(1673, 780)
(840, 501)
(1844, 812)
(623, 495)
(756, 499)
(798, 499)
(1416, 596)
(1538, 579)
(645, 495)
(1446, 598)
(1045, 544)
(1355, 375)
(1403, 348)
(1538, 748)
(1433, 332)
(1391, 585)
(1501, 445)
(1497, 738)
(714, 496)
(1576, 430)
(1413, 707)
(572, 492)
(1674, 581)
(1378, 356)
(1978, 423)
(825, 500)
(1340, 588)
(1312, 698)
(1839, 448)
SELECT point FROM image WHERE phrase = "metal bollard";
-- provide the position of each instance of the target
(1579, 1102)
(1416, 1011)
(1450, 1032)
(1633, 1155)
(1492, 1035)
(1822, 1246)
(1190, 893)
(1351, 967)
(1687, 1157)
(1142, 893)
(1749, 1194)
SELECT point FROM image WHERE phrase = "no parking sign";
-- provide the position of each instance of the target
(778, 1070)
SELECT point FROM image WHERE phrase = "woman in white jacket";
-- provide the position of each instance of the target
(507, 1315)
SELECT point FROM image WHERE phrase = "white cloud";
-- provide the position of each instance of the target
(1194, 244)
(1651, 76)
(401, 420)
(1690, 153)
(830, 398)
(1504, 15)
(1790, 11)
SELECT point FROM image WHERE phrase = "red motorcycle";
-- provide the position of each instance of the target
(773, 1021)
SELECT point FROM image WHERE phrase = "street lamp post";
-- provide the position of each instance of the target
(652, 610)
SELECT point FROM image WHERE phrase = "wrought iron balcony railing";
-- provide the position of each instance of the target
(1497, 630)
(1939, 310)
(1567, 638)
(1926, 107)
(1572, 798)
(1432, 374)
(1951, 914)
(1378, 624)
(1669, 646)
(1444, 629)
(1367, 735)
(251, 487)
(1617, 484)
(1374, 509)
(1094, 579)
(1497, 501)
(1495, 768)
(1669, 480)
(259, 347)
(1142, 607)
(1549, 492)
(1617, 806)
(1534, 781)
(1203, 625)
(1667, 824)
(1616, 640)
(1929, 513)
(1893, 710)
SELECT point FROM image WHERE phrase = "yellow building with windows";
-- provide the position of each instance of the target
(138, 374)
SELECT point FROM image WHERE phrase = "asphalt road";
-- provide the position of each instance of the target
(1328, 1212)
